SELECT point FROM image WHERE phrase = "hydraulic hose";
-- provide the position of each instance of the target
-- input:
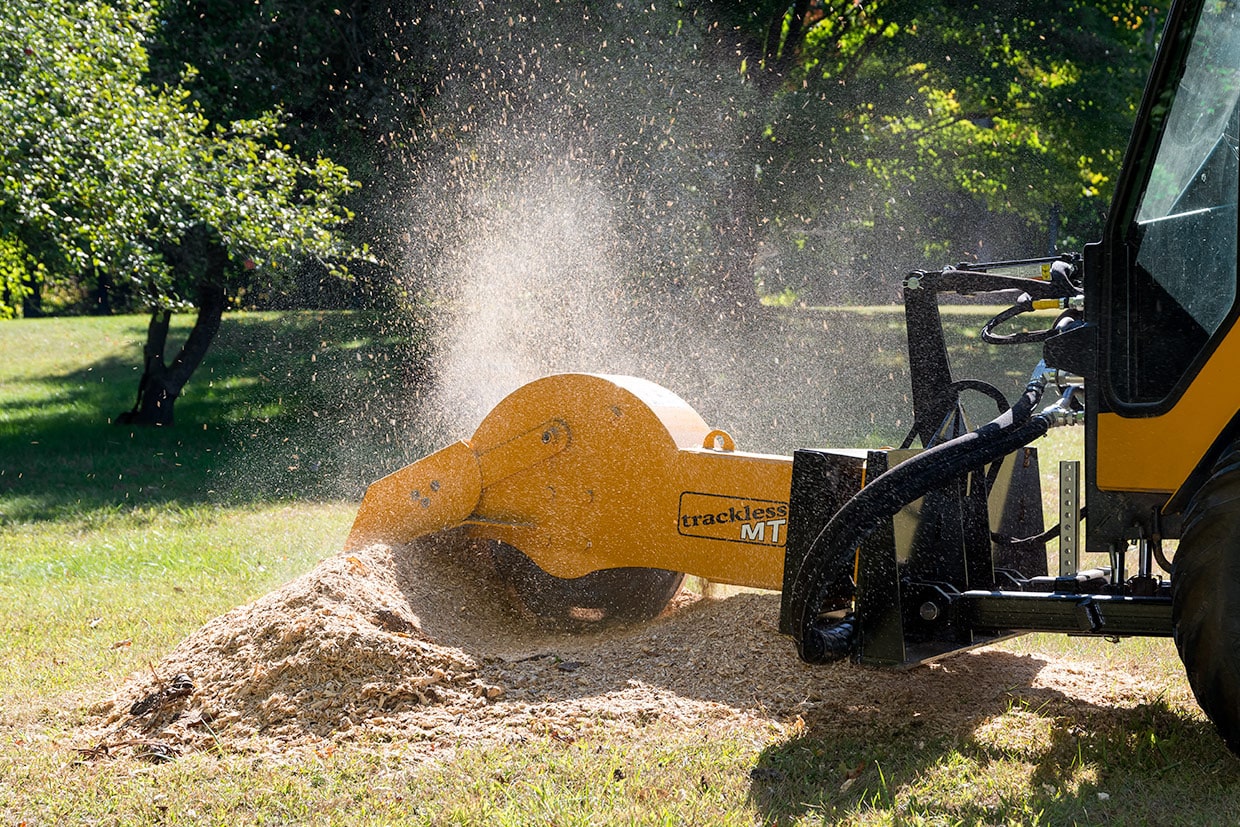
(832, 551)
(1037, 541)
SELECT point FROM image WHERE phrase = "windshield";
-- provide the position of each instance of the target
(1181, 240)
(1201, 124)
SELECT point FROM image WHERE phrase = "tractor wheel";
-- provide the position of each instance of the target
(1205, 596)
(601, 598)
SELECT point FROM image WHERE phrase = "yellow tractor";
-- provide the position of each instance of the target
(597, 494)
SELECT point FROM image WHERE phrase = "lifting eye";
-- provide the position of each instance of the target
(718, 440)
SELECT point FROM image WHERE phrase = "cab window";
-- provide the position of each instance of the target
(1180, 280)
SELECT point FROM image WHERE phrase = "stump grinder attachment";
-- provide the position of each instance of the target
(597, 493)
(584, 472)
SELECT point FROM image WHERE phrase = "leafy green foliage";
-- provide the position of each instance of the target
(884, 135)
(833, 142)
(103, 176)
(944, 131)
(356, 80)
(15, 268)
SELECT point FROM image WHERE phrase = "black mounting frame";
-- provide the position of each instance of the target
(934, 579)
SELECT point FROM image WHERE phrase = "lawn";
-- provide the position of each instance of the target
(115, 544)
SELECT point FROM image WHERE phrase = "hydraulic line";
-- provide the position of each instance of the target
(955, 388)
(832, 551)
(1025, 304)
(1034, 542)
(1022, 306)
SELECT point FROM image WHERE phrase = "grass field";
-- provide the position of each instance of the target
(115, 544)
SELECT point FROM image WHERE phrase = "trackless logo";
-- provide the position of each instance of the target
(738, 519)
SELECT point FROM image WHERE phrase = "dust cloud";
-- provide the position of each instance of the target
(536, 289)
(575, 199)
(587, 203)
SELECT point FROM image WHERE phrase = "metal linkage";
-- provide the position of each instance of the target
(1069, 517)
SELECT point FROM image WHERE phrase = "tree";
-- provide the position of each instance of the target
(105, 180)
(807, 138)
(929, 129)
(803, 138)
(357, 79)
(458, 100)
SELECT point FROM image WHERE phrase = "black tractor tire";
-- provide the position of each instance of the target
(1205, 596)
(596, 600)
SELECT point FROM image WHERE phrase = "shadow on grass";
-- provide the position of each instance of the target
(1027, 754)
(300, 405)
(984, 737)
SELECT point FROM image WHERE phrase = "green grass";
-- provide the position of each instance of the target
(285, 406)
(115, 544)
(105, 594)
(1147, 767)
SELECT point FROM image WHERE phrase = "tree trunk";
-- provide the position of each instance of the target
(161, 381)
(732, 296)
(32, 302)
(103, 295)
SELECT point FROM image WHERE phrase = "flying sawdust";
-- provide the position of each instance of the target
(419, 650)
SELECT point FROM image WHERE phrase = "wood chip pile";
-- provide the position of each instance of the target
(419, 649)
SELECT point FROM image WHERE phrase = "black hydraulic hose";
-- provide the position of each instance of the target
(832, 550)
(1037, 540)
(955, 388)
(1022, 306)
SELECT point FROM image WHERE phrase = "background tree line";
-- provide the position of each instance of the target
(205, 152)
(824, 145)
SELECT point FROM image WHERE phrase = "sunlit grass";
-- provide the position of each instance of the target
(104, 595)
(664, 775)
(115, 544)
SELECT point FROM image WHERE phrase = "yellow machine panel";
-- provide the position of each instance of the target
(1157, 453)
(584, 472)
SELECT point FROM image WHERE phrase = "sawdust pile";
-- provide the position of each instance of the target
(420, 649)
